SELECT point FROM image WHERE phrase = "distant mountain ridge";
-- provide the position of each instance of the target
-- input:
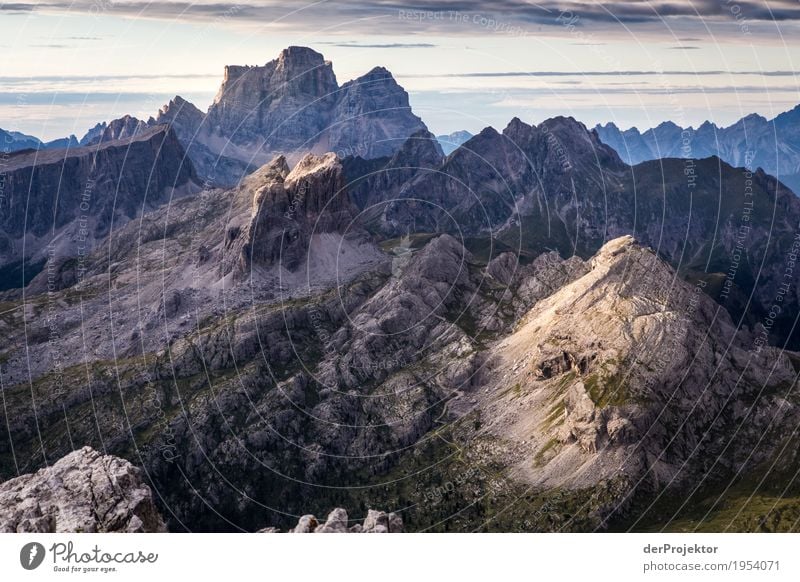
(14, 141)
(753, 142)
(292, 105)
(452, 141)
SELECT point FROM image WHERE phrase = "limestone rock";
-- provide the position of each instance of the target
(337, 522)
(84, 491)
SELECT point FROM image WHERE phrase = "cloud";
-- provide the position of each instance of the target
(23, 100)
(631, 73)
(11, 80)
(515, 98)
(394, 45)
(17, 8)
(455, 17)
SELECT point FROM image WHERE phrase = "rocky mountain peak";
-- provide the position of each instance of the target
(478, 142)
(377, 74)
(312, 164)
(183, 116)
(516, 125)
(613, 248)
(94, 134)
(301, 70)
(178, 103)
(566, 126)
(265, 180)
(291, 105)
(754, 118)
(281, 106)
(667, 125)
(123, 128)
(373, 112)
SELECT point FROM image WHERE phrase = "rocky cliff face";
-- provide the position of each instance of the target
(753, 141)
(282, 106)
(371, 183)
(94, 134)
(85, 491)
(58, 203)
(289, 209)
(372, 117)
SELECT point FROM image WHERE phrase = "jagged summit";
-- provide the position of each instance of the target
(299, 54)
(291, 105)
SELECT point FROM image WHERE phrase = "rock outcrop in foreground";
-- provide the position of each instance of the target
(338, 522)
(84, 491)
(87, 491)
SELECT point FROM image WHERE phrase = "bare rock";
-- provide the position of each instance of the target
(307, 524)
(337, 522)
(84, 491)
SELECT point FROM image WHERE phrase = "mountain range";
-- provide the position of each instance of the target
(525, 334)
(291, 105)
(752, 142)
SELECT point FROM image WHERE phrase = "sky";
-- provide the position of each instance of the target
(69, 64)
